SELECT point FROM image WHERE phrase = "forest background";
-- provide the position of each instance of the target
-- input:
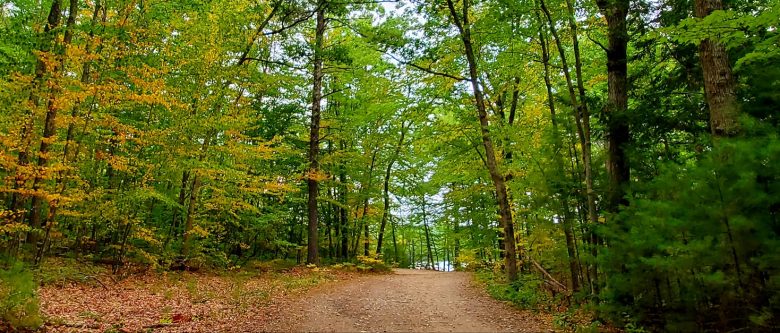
(621, 156)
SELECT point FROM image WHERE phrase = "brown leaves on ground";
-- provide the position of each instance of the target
(175, 302)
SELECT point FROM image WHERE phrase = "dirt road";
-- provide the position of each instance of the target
(407, 301)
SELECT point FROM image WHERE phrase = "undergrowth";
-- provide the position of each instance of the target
(527, 293)
(19, 305)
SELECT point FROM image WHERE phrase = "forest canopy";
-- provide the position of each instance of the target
(623, 152)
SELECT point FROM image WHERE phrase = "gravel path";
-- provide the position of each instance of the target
(407, 301)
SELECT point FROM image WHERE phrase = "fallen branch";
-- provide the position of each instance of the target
(552, 281)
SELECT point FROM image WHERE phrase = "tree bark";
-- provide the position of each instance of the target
(618, 135)
(464, 28)
(719, 82)
(312, 255)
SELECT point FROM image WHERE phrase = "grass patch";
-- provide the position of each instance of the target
(19, 306)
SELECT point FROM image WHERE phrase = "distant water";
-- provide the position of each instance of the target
(442, 266)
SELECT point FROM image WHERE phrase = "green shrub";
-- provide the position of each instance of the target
(698, 246)
(19, 305)
(524, 293)
(367, 263)
(345, 266)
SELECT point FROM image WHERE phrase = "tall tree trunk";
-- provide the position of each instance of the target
(174, 227)
(583, 126)
(343, 213)
(464, 28)
(312, 256)
(193, 202)
(331, 213)
(719, 83)
(60, 182)
(386, 194)
(618, 135)
(50, 124)
(395, 242)
(363, 223)
(427, 235)
(563, 190)
(49, 42)
(366, 235)
(456, 245)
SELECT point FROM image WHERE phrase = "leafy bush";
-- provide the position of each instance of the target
(524, 293)
(368, 263)
(345, 266)
(19, 305)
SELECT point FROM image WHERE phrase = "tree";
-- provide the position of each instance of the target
(719, 82)
(461, 22)
(312, 256)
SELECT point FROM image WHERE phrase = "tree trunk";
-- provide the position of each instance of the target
(386, 193)
(567, 225)
(174, 227)
(50, 124)
(615, 11)
(343, 214)
(395, 242)
(363, 223)
(427, 235)
(194, 189)
(464, 27)
(312, 256)
(193, 202)
(719, 83)
(48, 42)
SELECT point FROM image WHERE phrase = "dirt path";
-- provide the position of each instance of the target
(407, 301)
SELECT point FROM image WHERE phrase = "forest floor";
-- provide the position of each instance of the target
(301, 299)
(407, 301)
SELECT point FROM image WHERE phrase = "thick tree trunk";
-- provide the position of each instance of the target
(719, 83)
(615, 11)
(312, 256)
(617, 133)
(505, 212)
